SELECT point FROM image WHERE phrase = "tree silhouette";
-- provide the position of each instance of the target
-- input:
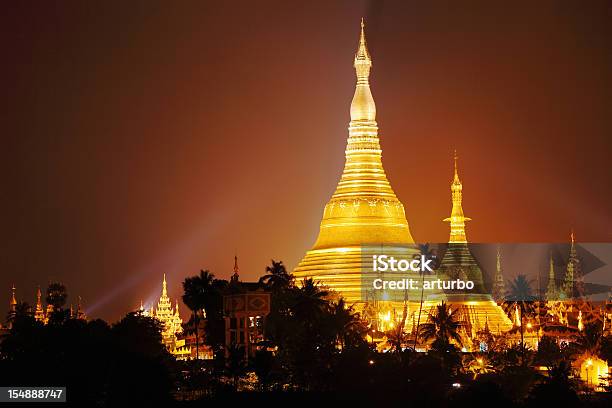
(442, 325)
(197, 290)
(276, 276)
(520, 296)
(428, 252)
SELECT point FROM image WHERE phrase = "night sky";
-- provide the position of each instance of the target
(142, 138)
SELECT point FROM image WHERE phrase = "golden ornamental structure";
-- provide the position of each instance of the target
(478, 311)
(171, 323)
(364, 209)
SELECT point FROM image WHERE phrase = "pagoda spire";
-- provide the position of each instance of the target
(573, 284)
(164, 287)
(363, 107)
(457, 219)
(39, 313)
(13, 301)
(235, 276)
(551, 289)
(364, 204)
(364, 209)
(499, 287)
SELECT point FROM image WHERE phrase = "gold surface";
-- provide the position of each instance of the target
(364, 208)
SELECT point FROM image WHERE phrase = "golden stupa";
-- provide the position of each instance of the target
(477, 309)
(364, 217)
(364, 209)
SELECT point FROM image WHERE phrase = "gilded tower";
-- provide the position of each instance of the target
(573, 285)
(364, 209)
(457, 219)
(458, 262)
(499, 287)
(169, 317)
(477, 308)
(551, 288)
(13, 301)
(39, 312)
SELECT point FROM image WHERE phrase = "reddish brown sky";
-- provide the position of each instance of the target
(147, 139)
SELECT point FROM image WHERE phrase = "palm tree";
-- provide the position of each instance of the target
(429, 254)
(310, 300)
(442, 325)
(276, 276)
(21, 312)
(196, 293)
(235, 363)
(520, 296)
(344, 321)
(56, 295)
(590, 339)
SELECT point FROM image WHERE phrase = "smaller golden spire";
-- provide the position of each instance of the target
(457, 218)
(573, 247)
(498, 259)
(13, 302)
(164, 287)
(456, 178)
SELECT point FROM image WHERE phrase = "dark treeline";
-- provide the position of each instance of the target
(315, 351)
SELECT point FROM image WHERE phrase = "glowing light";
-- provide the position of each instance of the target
(364, 208)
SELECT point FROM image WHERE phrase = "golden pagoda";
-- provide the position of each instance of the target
(364, 210)
(478, 310)
(13, 301)
(39, 312)
(171, 323)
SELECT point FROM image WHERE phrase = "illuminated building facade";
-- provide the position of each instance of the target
(245, 307)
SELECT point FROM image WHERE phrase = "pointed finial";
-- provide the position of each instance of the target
(363, 62)
(13, 299)
(498, 258)
(455, 157)
(572, 236)
(235, 276)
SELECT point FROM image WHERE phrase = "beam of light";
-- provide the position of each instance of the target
(170, 261)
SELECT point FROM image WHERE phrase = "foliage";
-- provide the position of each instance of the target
(442, 326)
